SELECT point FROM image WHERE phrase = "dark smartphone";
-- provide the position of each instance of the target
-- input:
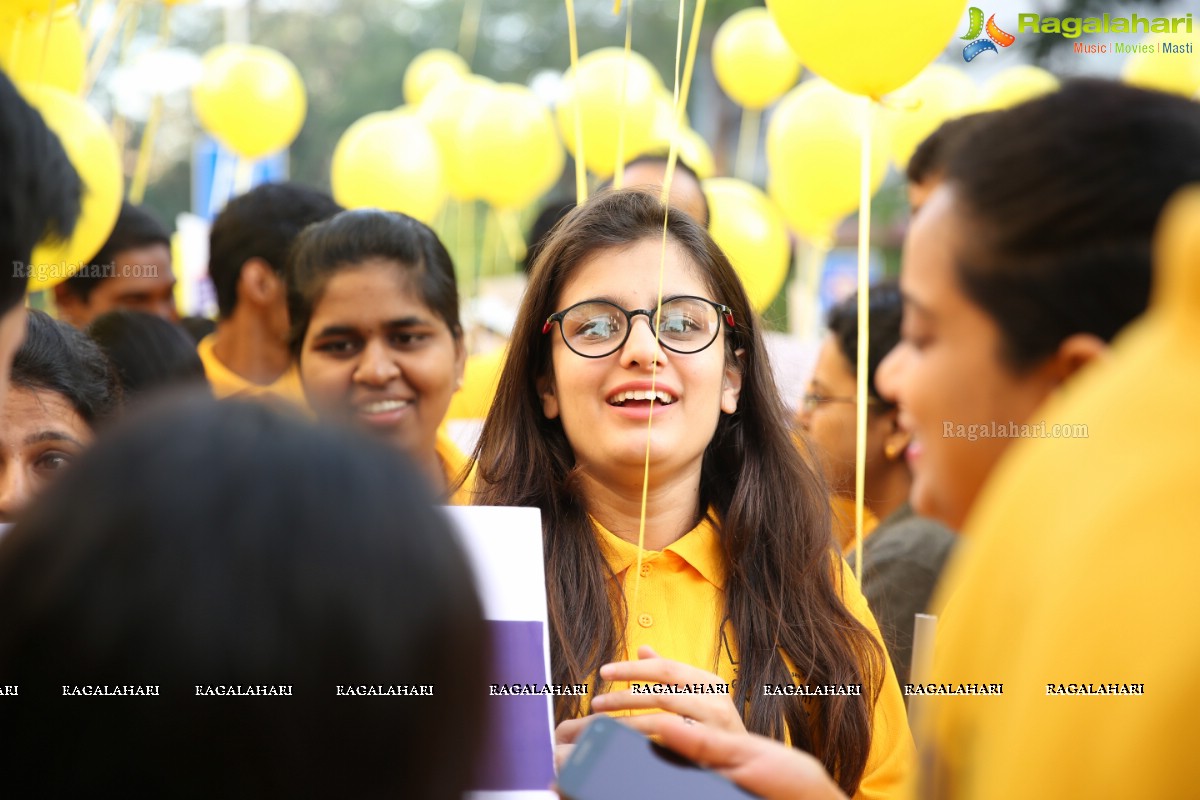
(613, 762)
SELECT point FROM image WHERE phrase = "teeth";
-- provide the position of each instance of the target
(659, 396)
(383, 406)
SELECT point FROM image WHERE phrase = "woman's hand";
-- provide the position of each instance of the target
(714, 710)
(768, 768)
(567, 732)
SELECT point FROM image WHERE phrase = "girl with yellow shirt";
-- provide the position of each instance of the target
(375, 330)
(738, 594)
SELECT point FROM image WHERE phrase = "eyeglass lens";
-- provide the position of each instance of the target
(685, 325)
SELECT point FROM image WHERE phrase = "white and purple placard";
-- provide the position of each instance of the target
(504, 546)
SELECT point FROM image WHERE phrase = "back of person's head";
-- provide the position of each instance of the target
(224, 545)
(55, 357)
(687, 190)
(148, 353)
(135, 228)
(885, 308)
(928, 160)
(260, 224)
(197, 327)
(40, 192)
(1061, 196)
(354, 237)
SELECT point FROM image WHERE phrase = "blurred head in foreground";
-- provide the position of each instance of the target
(1022, 266)
(222, 544)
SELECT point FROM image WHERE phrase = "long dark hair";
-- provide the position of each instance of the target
(770, 509)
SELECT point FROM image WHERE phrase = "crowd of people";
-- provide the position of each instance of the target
(253, 502)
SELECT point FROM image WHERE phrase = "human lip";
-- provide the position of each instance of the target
(642, 392)
(383, 411)
(914, 450)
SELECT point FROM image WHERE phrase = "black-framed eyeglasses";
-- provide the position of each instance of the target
(598, 328)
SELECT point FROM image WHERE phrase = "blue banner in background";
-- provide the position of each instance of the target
(214, 175)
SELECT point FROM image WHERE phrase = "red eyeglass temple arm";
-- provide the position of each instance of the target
(729, 318)
(547, 325)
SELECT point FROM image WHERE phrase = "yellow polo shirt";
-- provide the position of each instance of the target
(227, 383)
(679, 611)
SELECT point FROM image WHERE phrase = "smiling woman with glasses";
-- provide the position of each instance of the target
(738, 585)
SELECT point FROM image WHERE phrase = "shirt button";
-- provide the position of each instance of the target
(645, 620)
(645, 570)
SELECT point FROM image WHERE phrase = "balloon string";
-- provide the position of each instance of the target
(510, 228)
(488, 250)
(619, 169)
(119, 123)
(747, 143)
(46, 41)
(864, 305)
(105, 46)
(468, 31)
(681, 96)
(243, 176)
(141, 173)
(467, 240)
(93, 20)
(581, 187)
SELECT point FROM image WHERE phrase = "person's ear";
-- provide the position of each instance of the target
(545, 386)
(1074, 353)
(896, 440)
(72, 308)
(258, 282)
(731, 384)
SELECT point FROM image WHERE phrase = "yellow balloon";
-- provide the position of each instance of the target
(28, 57)
(693, 150)
(18, 7)
(444, 111)
(596, 91)
(251, 98)
(814, 145)
(1015, 85)
(867, 47)
(1166, 71)
(800, 216)
(664, 123)
(696, 153)
(429, 69)
(510, 148)
(90, 146)
(916, 109)
(752, 61)
(751, 231)
(389, 160)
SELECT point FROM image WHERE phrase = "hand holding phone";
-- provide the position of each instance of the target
(613, 762)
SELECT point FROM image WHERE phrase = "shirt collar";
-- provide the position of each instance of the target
(700, 548)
